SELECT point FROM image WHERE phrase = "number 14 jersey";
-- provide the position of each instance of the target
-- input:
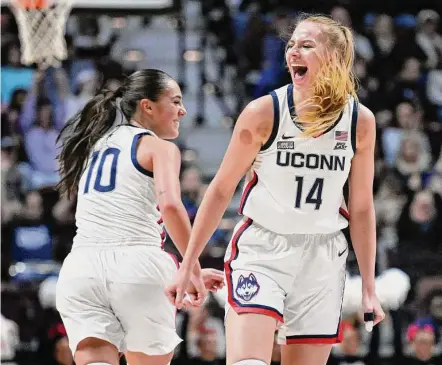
(298, 184)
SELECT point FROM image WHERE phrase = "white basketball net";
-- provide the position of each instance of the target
(41, 30)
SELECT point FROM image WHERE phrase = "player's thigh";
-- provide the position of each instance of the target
(249, 336)
(305, 354)
(139, 358)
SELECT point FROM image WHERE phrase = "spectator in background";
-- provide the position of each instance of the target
(419, 251)
(412, 161)
(389, 202)
(434, 86)
(32, 237)
(86, 84)
(202, 323)
(427, 37)
(207, 344)
(274, 72)
(13, 181)
(63, 215)
(17, 99)
(41, 148)
(368, 91)
(407, 119)
(14, 75)
(11, 125)
(433, 90)
(363, 47)
(383, 41)
(55, 347)
(251, 45)
(190, 190)
(349, 351)
(421, 339)
(40, 122)
(408, 85)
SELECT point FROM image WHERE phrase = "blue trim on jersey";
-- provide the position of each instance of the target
(275, 122)
(354, 122)
(291, 107)
(133, 154)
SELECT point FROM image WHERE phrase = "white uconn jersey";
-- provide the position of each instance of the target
(117, 204)
(296, 184)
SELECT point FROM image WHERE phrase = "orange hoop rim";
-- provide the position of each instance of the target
(31, 4)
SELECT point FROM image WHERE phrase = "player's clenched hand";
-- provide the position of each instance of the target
(187, 286)
(373, 313)
(213, 279)
(176, 291)
(196, 292)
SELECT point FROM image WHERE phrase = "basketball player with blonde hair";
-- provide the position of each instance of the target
(307, 151)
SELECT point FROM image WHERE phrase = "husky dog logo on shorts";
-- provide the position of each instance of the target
(247, 287)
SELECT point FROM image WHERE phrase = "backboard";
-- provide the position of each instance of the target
(121, 6)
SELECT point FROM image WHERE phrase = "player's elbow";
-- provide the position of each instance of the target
(361, 210)
(169, 204)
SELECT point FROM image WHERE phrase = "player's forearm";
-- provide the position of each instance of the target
(209, 215)
(178, 227)
(363, 236)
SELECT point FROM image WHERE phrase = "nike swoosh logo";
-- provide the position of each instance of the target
(341, 253)
(287, 137)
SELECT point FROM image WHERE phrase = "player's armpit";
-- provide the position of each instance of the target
(252, 130)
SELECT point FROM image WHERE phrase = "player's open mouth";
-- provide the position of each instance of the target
(299, 72)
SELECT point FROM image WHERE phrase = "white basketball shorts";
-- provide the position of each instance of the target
(117, 294)
(297, 279)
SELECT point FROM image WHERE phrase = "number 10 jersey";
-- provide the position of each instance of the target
(299, 184)
(117, 203)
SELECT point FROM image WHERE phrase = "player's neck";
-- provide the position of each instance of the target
(301, 101)
(139, 124)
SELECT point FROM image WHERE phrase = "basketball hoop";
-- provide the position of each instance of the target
(41, 26)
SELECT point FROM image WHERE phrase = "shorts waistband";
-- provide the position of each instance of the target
(299, 235)
(116, 242)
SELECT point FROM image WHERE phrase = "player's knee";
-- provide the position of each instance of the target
(250, 362)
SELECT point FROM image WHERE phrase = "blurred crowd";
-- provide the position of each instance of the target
(399, 66)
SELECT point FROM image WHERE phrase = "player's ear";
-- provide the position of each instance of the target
(146, 106)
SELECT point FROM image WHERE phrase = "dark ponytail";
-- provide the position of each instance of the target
(84, 129)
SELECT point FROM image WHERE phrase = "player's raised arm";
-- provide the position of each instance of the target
(252, 130)
(361, 209)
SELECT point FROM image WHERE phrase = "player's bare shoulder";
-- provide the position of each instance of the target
(153, 148)
(366, 128)
(257, 119)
